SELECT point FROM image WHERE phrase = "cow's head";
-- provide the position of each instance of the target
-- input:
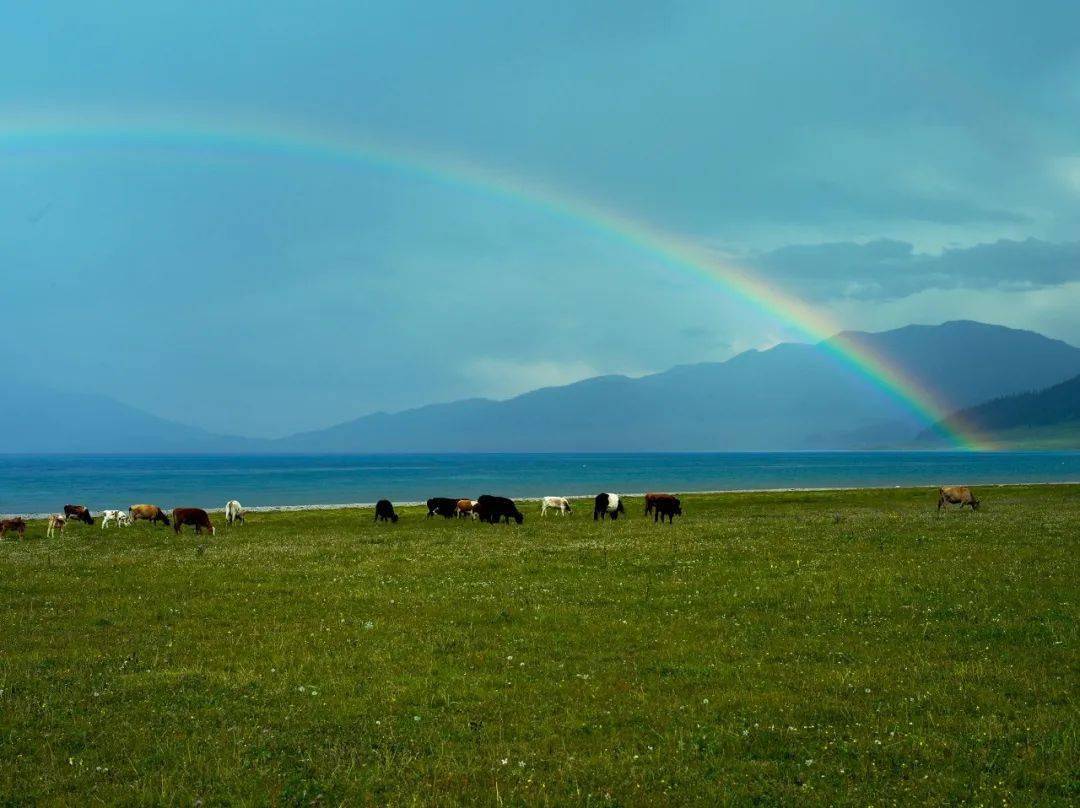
(519, 517)
(165, 518)
(621, 509)
(393, 517)
(974, 504)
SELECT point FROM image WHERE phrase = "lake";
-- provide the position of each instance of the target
(45, 483)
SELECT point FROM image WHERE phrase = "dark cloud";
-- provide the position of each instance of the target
(886, 269)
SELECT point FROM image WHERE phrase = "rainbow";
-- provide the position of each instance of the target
(35, 132)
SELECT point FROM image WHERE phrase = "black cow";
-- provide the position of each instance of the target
(443, 506)
(496, 509)
(665, 505)
(384, 510)
(80, 513)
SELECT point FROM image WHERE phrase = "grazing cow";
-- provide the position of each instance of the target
(56, 523)
(79, 513)
(956, 495)
(233, 512)
(606, 504)
(196, 517)
(151, 513)
(443, 506)
(16, 525)
(384, 510)
(649, 498)
(496, 509)
(561, 504)
(466, 508)
(664, 505)
(120, 517)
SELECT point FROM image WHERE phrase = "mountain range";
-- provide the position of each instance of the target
(791, 396)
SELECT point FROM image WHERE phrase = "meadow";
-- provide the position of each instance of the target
(808, 648)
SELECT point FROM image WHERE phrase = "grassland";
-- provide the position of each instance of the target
(799, 648)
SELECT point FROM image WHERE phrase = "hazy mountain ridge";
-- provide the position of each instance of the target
(791, 396)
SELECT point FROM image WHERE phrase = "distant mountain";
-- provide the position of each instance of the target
(1047, 418)
(792, 396)
(35, 419)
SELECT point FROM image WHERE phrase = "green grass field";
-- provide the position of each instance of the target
(799, 648)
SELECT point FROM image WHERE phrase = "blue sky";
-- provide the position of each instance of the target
(891, 162)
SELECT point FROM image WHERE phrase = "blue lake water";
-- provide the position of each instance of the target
(37, 484)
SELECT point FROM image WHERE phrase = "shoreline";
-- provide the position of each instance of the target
(409, 504)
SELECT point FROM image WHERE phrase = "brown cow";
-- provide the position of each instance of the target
(466, 509)
(16, 525)
(650, 501)
(665, 505)
(79, 513)
(151, 513)
(956, 495)
(196, 517)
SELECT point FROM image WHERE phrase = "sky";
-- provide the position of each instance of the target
(888, 163)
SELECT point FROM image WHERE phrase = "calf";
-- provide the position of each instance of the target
(151, 513)
(196, 517)
(56, 523)
(384, 511)
(561, 504)
(956, 495)
(79, 513)
(120, 517)
(607, 504)
(16, 525)
(466, 508)
(496, 509)
(665, 505)
(443, 506)
(233, 512)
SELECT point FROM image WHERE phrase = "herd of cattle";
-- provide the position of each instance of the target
(195, 517)
(487, 509)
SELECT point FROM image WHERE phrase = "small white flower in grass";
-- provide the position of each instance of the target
(504, 761)
(416, 718)
(704, 701)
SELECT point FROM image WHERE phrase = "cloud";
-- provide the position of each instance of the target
(885, 269)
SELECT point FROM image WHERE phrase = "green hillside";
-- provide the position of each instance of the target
(1046, 419)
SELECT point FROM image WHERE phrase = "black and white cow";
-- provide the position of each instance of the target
(605, 505)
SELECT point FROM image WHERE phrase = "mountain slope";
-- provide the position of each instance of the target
(792, 396)
(37, 419)
(1045, 418)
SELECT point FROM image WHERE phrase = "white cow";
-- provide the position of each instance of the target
(234, 512)
(561, 504)
(120, 517)
(56, 523)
